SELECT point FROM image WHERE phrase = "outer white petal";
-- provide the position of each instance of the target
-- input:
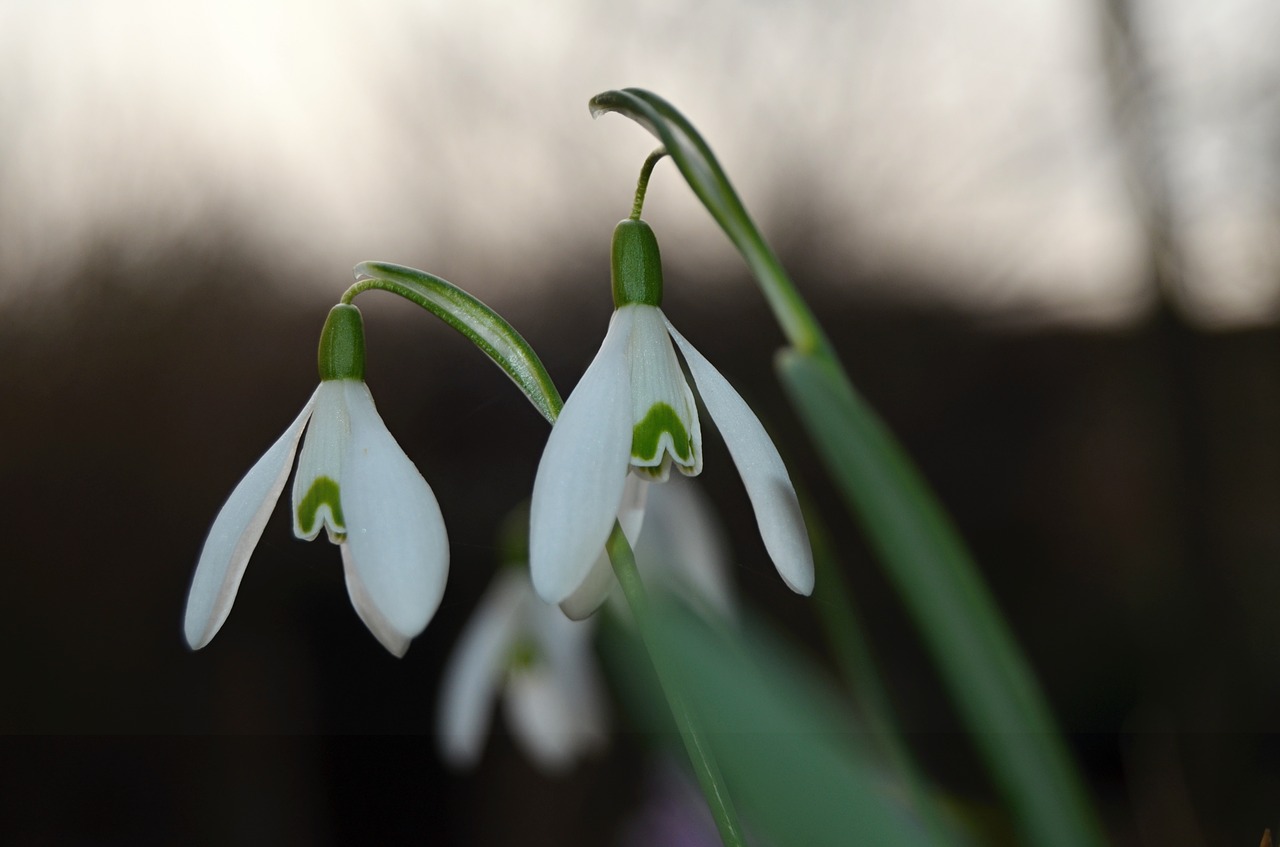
(234, 534)
(395, 533)
(595, 589)
(396, 643)
(765, 477)
(580, 479)
(477, 666)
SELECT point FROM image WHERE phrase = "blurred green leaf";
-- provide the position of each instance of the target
(979, 660)
(793, 758)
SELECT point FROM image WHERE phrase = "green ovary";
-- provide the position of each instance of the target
(323, 492)
(524, 656)
(647, 435)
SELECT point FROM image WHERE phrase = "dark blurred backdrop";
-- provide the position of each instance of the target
(1043, 247)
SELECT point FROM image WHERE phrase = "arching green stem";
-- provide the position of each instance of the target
(481, 325)
(642, 184)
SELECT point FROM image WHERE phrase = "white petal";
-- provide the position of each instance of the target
(320, 463)
(556, 708)
(683, 546)
(765, 477)
(395, 532)
(656, 378)
(235, 533)
(396, 643)
(580, 479)
(539, 717)
(469, 686)
(595, 589)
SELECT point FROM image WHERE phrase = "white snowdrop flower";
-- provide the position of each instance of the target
(633, 410)
(355, 481)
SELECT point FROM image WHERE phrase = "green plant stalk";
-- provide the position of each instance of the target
(642, 184)
(976, 654)
(695, 741)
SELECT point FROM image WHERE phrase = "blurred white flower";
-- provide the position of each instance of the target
(540, 664)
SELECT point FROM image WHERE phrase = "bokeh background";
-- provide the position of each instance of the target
(1044, 237)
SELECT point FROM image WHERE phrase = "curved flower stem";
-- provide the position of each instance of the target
(642, 184)
(481, 325)
(695, 741)
(702, 171)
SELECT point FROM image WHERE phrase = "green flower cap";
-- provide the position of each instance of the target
(637, 265)
(341, 353)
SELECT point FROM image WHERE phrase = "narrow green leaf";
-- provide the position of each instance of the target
(979, 660)
(481, 325)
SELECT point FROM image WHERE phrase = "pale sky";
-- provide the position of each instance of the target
(966, 146)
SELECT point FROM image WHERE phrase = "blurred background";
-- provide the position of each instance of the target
(1044, 237)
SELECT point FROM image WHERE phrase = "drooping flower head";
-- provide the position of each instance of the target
(355, 481)
(526, 655)
(633, 411)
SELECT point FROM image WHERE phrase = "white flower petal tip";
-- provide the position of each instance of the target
(600, 582)
(396, 543)
(773, 497)
(581, 477)
(396, 642)
(234, 534)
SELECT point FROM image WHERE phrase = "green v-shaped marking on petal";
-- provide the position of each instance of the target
(648, 433)
(323, 492)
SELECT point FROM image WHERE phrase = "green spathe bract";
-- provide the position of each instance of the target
(636, 268)
(323, 492)
(341, 353)
(646, 437)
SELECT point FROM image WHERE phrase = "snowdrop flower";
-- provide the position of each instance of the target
(356, 482)
(633, 410)
(539, 662)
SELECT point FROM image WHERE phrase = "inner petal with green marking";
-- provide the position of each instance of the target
(665, 428)
(322, 502)
(658, 434)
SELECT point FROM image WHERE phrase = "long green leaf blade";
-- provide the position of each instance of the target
(978, 658)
